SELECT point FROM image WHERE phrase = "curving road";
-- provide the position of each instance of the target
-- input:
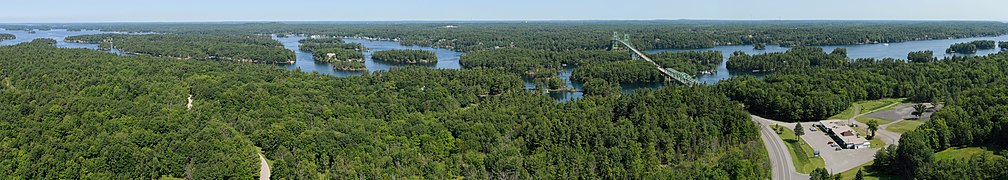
(780, 158)
(264, 169)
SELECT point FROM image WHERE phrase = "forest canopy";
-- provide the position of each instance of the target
(592, 35)
(79, 114)
(5, 36)
(259, 49)
(407, 56)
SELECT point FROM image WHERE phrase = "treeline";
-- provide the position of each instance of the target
(260, 49)
(619, 71)
(690, 62)
(536, 63)
(816, 93)
(311, 47)
(80, 114)
(595, 35)
(970, 47)
(408, 56)
(972, 118)
(794, 58)
(921, 56)
(343, 56)
(5, 36)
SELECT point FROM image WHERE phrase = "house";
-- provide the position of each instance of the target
(844, 135)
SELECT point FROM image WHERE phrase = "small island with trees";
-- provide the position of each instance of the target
(759, 46)
(921, 57)
(407, 56)
(1003, 45)
(343, 56)
(970, 47)
(4, 37)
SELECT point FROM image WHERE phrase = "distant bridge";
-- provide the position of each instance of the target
(618, 43)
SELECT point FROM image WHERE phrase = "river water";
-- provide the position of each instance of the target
(448, 59)
(877, 51)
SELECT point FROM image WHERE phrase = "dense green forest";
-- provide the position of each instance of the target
(343, 56)
(325, 40)
(408, 56)
(822, 91)
(5, 36)
(970, 47)
(332, 55)
(795, 58)
(536, 63)
(921, 56)
(619, 71)
(82, 114)
(591, 35)
(194, 46)
(985, 44)
(690, 62)
(962, 48)
(973, 117)
(1003, 45)
(312, 46)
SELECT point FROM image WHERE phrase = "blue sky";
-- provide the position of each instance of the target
(18, 11)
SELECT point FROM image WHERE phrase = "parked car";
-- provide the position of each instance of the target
(812, 129)
(838, 148)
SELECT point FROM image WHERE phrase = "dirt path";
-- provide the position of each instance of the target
(264, 169)
(189, 104)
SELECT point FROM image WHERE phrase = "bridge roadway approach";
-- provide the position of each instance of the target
(681, 77)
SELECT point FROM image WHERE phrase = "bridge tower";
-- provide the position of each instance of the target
(615, 42)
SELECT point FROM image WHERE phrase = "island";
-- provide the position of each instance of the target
(407, 56)
(759, 46)
(970, 47)
(343, 56)
(258, 49)
(4, 36)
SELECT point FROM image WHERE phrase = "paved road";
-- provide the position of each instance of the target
(780, 158)
(264, 169)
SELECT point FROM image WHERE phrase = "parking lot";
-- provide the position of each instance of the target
(836, 160)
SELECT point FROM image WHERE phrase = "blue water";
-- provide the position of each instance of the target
(448, 59)
(58, 34)
(877, 51)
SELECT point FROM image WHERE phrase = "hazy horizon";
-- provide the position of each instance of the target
(46, 11)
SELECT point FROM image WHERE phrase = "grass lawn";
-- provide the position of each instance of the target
(801, 152)
(867, 106)
(963, 153)
(904, 126)
(875, 142)
(864, 119)
(869, 174)
(846, 114)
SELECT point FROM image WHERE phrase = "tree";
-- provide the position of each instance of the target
(873, 126)
(820, 174)
(919, 110)
(798, 130)
(860, 174)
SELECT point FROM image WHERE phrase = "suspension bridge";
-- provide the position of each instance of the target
(621, 42)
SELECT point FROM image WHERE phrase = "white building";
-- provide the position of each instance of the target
(844, 135)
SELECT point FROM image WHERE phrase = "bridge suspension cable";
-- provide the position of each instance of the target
(620, 42)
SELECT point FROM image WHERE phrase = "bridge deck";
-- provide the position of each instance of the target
(672, 73)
